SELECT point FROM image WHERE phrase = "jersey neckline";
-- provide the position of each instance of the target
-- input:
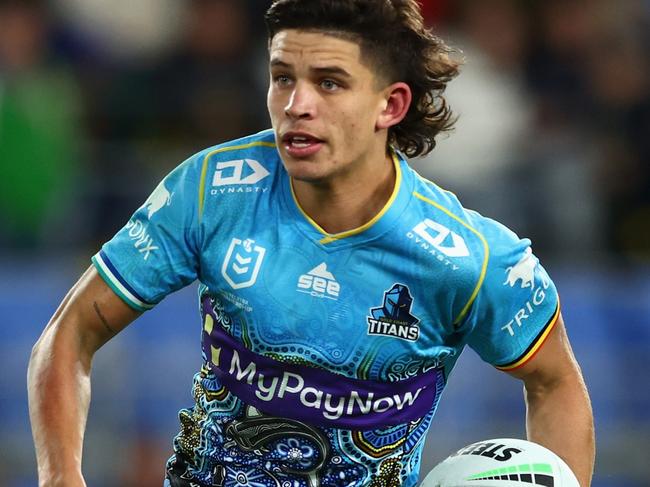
(380, 223)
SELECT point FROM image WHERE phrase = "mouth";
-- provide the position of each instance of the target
(301, 144)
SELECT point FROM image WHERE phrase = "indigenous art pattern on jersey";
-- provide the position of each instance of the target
(324, 355)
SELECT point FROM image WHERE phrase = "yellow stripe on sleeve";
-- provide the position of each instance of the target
(486, 257)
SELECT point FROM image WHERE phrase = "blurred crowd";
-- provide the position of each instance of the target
(98, 100)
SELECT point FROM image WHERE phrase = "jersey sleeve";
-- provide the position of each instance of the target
(517, 304)
(156, 252)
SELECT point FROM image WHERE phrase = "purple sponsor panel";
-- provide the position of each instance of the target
(317, 396)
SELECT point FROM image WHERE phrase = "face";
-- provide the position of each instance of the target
(325, 104)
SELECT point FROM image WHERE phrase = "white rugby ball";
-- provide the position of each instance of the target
(502, 462)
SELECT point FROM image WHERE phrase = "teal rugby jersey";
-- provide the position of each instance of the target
(324, 355)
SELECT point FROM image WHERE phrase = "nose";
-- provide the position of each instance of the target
(301, 103)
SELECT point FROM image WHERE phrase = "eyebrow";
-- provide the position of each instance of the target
(324, 70)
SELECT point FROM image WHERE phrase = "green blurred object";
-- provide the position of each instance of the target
(38, 155)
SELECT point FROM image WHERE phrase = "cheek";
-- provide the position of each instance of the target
(361, 124)
(273, 104)
(349, 128)
(366, 116)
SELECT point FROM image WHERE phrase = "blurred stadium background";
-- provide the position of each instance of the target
(98, 100)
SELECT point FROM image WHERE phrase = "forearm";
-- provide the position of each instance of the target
(58, 379)
(59, 396)
(559, 417)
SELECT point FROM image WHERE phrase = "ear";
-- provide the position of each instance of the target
(395, 105)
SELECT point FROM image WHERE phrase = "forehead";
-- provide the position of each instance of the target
(295, 47)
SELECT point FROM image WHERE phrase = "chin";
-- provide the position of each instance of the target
(305, 175)
(306, 170)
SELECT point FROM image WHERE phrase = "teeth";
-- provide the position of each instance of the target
(300, 142)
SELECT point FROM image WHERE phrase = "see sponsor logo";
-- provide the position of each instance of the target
(319, 282)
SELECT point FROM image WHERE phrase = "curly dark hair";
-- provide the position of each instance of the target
(394, 40)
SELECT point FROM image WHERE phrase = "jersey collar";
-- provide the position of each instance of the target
(380, 223)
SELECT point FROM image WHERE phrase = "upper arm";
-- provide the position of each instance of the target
(553, 361)
(517, 305)
(91, 312)
(154, 254)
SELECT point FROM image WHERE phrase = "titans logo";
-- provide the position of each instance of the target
(394, 317)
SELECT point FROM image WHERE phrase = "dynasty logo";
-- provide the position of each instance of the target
(394, 317)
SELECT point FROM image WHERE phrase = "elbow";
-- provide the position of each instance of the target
(37, 348)
(568, 387)
(545, 380)
(39, 356)
(45, 342)
(63, 345)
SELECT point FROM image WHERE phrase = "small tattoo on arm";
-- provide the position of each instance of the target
(101, 317)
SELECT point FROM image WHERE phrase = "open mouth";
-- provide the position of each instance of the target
(301, 144)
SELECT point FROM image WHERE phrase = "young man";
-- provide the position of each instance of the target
(338, 288)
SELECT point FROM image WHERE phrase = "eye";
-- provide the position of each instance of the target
(281, 80)
(330, 85)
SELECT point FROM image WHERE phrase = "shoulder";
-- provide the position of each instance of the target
(239, 162)
(445, 223)
(479, 246)
(234, 163)
(261, 144)
(233, 174)
(445, 209)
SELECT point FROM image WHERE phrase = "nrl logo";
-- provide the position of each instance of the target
(242, 263)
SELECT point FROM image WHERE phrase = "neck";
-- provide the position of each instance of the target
(348, 202)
